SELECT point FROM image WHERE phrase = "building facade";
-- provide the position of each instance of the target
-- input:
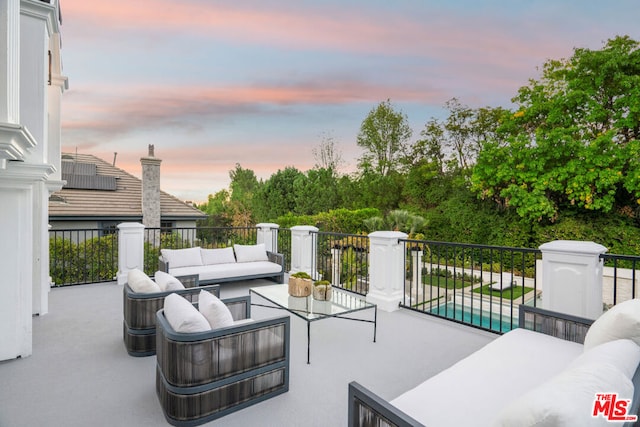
(31, 88)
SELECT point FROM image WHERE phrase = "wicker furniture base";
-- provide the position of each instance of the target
(206, 375)
(139, 311)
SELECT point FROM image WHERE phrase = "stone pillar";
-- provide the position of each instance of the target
(572, 277)
(130, 249)
(386, 269)
(151, 190)
(336, 264)
(268, 234)
(303, 250)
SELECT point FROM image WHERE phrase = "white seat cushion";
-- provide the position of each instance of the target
(218, 256)
(141, 283)
(567, 399)
(167, 282)
(183, 316)
(250, 253)
(619, 322)
(225, 271)
(214, 310)
(523, 360)
(182, 257)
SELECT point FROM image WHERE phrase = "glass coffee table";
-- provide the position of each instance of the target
(342, 304)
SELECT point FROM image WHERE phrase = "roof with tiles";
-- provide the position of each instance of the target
(103, 191)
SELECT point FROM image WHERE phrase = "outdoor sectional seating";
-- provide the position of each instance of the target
(240, 262)
(139, 310)
(537, 374)
(205, 375)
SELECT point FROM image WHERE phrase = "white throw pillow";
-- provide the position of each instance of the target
(619, 322)
(251, 253)
(182, 257)
(214, 310)
(623, 354)
(567, 399)
(141, 283)
(167, 282)
(218, 256)
(183, 316)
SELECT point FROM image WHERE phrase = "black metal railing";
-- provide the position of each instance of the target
(476, 285)
(82, 256)
(283, 246)
(620, 278)
(342, 259)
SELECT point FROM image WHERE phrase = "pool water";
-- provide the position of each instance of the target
(478, 318)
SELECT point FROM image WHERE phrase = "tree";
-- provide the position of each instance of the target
(327, 155)
(573, 142)
(243, 186)
(384, 135)
(276, 197)
(316, 192)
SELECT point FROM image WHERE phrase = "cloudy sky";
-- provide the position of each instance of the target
(262, 82)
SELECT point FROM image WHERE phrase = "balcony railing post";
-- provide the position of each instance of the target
(386, 269)
(336, 258)
(130, 249)
(572, 277)
(303, 249)
(268, 234)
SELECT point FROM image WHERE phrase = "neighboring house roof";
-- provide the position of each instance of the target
(105, 192)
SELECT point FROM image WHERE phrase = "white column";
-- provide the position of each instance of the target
(386, 269)
(268, 234)
(303, 250)
(336, 264)
(16, 217)
(572, 277)
(130, 249)
(10, 63)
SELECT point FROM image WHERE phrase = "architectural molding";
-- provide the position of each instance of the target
(40, 10)
(15, 141)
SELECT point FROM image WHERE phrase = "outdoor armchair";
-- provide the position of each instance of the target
(139, 310)
(202, 376)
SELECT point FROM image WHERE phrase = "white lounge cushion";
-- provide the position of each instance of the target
(619, 322)
(182, 257)
(623, 354)
(524, 359)
(250, 253)
(218, 256)
(214, 310)
(183, 316)
(224, 271)
(141, 283)
(167, 282)
(568, 398)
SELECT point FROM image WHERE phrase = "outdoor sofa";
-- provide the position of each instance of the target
(240, 262)
(538, 374)
(206, 374)
(139, 312)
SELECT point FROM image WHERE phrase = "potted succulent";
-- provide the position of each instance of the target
(322, 290)
(300, 284)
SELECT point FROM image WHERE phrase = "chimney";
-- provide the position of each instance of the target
(150, 190)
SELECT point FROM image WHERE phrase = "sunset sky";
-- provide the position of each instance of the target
(262, 82)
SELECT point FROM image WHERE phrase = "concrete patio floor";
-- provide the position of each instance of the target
(80, 373)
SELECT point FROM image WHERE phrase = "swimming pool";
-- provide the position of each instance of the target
(482, 318)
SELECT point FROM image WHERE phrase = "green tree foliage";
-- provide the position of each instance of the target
(573, 141)
(316, 192)
(277, 196)
(384, 136)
